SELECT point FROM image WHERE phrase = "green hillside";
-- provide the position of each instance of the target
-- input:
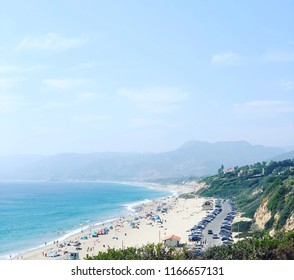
(263, 192)
(255, 188)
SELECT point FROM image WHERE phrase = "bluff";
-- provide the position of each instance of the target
(263, 192)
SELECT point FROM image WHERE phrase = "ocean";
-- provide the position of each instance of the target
(32, 213)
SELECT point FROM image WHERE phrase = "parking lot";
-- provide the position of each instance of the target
(215, 228)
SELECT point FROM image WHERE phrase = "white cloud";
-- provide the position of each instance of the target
(279, 56)
(157, 99)
(9, 103)
(6, 69)
(230, 58)
(51, 42)
(88, 96)
(6, 83)
(265, 103)
(91, 119)
(57, 105)
(64, 84)
(13, 69)
(84, 97)
(287, 84)
(226, 59)
(263, 108)
(84, 66)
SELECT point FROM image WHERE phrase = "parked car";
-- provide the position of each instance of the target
(215, 236)
(226, 227)
(225, 238)
(195, 238)
(225, 233)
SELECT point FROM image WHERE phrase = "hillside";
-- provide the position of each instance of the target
(192, 159)
(288, 155)
(262, 192)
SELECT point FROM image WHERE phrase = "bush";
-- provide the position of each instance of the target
(241, 226)
(146, 252)
(280, 247)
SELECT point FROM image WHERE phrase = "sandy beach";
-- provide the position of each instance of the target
(177, 216)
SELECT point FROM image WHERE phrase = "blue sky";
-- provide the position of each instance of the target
(144, 76)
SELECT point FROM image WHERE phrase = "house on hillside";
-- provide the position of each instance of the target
(172, 241)
(241, 173)
(230, 170)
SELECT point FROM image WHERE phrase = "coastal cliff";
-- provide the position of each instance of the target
(263, 192)
(262, 215)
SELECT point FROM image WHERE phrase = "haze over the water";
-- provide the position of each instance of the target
(141, 76)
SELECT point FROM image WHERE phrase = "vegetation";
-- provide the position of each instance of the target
(280, 247)
(147, 252)
(187, 195)
(241, 226)
(249, 186)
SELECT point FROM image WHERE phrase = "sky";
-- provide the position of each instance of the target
(144, 76)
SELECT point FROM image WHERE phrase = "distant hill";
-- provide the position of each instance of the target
(12, 166)
(289, 155)
(192, 159)
(262, 192)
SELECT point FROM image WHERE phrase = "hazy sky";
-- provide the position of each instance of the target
(90, 76)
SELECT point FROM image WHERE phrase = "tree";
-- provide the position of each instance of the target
(221, 170)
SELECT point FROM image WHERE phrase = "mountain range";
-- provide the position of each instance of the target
(194, 158)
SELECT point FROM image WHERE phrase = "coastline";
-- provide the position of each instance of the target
(182, 214)
(57, 227)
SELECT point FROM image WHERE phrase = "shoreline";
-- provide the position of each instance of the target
(121, 226)
(127, 210)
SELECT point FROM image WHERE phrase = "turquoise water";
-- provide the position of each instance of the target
(33, 213)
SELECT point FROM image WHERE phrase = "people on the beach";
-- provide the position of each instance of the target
(120, 229)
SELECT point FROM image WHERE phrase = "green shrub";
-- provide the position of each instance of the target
(280, 247)
(242, 226)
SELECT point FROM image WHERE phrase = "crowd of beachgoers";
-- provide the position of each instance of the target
(151, 222)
